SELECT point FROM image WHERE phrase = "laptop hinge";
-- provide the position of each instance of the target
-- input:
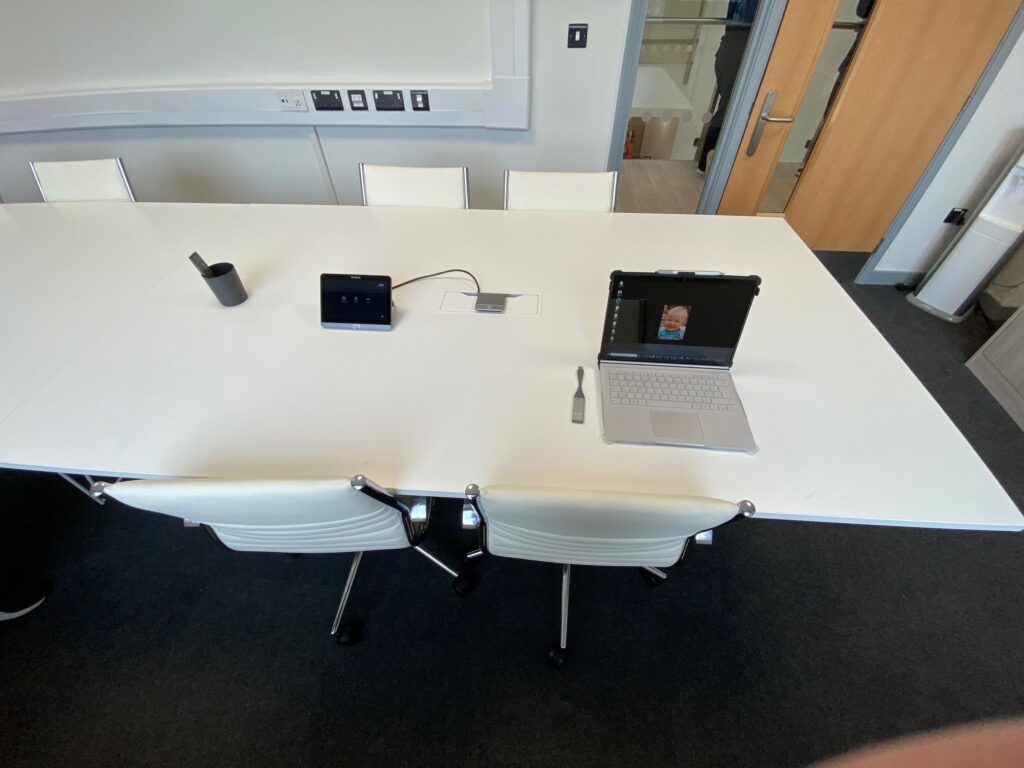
(648, 363)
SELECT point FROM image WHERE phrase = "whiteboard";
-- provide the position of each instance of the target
(69, 64)
(54, 47)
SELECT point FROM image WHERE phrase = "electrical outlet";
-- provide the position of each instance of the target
(388, 101)
(327, 101)
(291, 101)
(357, 100)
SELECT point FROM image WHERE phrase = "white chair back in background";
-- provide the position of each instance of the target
(542, 191)
(414, 187)
(66, 181)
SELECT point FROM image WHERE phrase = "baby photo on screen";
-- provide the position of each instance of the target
(674, 318)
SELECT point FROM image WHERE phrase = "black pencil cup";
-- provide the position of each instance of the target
(226, 284)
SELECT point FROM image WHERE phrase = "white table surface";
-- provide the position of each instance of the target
(118, 361)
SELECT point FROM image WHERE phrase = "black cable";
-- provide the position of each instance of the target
(435, 274)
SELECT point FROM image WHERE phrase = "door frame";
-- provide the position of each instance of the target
(763, 33)
(627, 81)
(868, 275)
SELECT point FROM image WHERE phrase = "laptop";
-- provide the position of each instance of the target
(668, 344)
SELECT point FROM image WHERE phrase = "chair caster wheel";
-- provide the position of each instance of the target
(348, 633)
(652, 580)
(556, 657)
(464, 583)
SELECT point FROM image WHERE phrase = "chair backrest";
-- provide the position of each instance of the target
(66, 181)
(414, 187)
(580, 527)
(298, 515)
(539, 191)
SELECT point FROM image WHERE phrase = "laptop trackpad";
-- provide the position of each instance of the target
(677, 427)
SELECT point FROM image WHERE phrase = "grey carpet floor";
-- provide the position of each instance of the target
(781, 644)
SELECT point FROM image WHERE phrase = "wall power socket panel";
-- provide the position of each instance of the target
(291, 101)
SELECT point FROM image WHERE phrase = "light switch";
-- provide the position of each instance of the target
(578, 35)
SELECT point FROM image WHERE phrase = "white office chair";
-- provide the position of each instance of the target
(67, 181)
(292, 516)
(539, 191)
(414, 187)
(578, 527)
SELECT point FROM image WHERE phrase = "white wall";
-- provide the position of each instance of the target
(990, 139)
(572, 113)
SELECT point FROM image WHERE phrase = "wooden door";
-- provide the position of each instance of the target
(915, 67)
(801, 38)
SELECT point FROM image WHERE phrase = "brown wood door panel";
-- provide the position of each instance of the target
(801, 38)
(915, 67)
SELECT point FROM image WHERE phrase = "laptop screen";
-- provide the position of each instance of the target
(684, 318)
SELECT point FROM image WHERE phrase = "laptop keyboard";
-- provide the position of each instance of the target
(669, 389)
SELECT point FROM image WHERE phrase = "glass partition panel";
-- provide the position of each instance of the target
(689, 61)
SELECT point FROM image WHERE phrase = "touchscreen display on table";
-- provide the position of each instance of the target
(355, 300)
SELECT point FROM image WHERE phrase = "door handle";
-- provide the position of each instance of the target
(764, 119)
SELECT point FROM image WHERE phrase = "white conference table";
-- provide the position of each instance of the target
(118, 361)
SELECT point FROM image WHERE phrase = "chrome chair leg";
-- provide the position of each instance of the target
(437, 562)
(653, 577)
(350, 632)
(463, 583)
(566, 569)
(557, 655)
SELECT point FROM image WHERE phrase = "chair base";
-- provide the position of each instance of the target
(349, 632)
(557, 657)
(653, 577)
(465, 583)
